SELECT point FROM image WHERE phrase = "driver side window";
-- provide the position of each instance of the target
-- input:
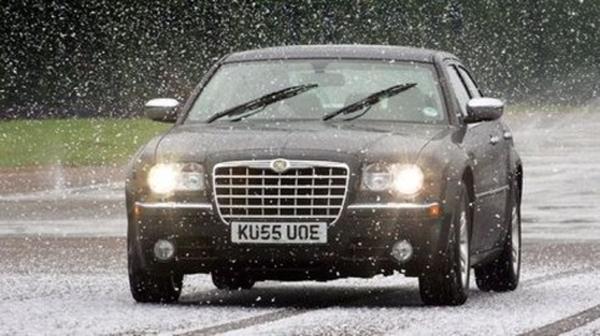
(473, 89)
(460, 91)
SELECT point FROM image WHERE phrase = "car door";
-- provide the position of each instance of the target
(483, 142)
(494, 197)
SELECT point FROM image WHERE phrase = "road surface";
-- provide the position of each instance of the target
(63, 265)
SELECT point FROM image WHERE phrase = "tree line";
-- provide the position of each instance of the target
(104, 57)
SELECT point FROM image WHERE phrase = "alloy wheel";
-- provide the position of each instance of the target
(464, 248)
(515, 239)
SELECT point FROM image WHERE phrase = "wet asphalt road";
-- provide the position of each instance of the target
(63, 265)
(79, 285)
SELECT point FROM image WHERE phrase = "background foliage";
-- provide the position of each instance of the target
(104, 57)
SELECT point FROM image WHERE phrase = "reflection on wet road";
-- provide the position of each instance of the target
(63, 265)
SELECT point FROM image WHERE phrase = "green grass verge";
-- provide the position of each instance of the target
(73, 142)
(87, 142)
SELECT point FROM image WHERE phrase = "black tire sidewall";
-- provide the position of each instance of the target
(148, 286)
(455, 260)
(444, 286)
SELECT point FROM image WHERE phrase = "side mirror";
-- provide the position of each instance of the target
(161, 109)
(483, 109)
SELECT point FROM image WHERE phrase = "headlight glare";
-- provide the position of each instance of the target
(166, 178)
(408, 179)
(162, 178)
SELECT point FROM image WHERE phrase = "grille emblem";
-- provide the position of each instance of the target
(280, 165)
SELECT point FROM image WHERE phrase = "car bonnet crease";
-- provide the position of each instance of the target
(194, 142)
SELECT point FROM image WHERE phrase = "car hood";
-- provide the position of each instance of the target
(247, 140)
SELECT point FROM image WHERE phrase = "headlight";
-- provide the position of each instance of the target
(165, 178)
(377, 177)
(406, 179)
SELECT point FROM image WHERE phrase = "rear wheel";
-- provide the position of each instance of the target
(502, 273)
(449, 285)
(231, 279)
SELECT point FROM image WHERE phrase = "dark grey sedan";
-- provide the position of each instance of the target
(322, 162)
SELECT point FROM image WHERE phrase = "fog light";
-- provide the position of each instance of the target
(164, 250)
(402, 251)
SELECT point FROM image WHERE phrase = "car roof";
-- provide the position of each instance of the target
(353, 51)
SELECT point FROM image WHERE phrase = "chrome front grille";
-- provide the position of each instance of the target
(305, 190)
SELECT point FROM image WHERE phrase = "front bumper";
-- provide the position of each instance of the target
(359, 243)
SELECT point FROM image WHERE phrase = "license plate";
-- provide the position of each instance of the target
(278, 233)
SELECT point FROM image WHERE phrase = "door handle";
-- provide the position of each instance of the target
(494, 139)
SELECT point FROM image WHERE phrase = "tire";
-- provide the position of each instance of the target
(150, 287)
(230, 279)
(449, 285)
(502, 274)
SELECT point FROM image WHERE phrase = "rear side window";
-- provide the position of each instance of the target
(460, 91)
(473, 89)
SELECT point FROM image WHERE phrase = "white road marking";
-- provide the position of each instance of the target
(567, 324)
(389, 299)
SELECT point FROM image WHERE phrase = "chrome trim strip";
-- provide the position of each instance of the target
(266, 206)
(284, 176)
(283, 196)
(406, 206)
(275, 186)
(279, 216)
(174, 205)
(491, 192)
(292, 164)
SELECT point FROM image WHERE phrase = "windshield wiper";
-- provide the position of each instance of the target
(263, 101)
(370, 100)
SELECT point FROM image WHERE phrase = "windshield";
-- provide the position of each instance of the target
(340, 83)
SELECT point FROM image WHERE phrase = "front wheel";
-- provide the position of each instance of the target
(153, 287)
(502, 273)
(449, 285)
